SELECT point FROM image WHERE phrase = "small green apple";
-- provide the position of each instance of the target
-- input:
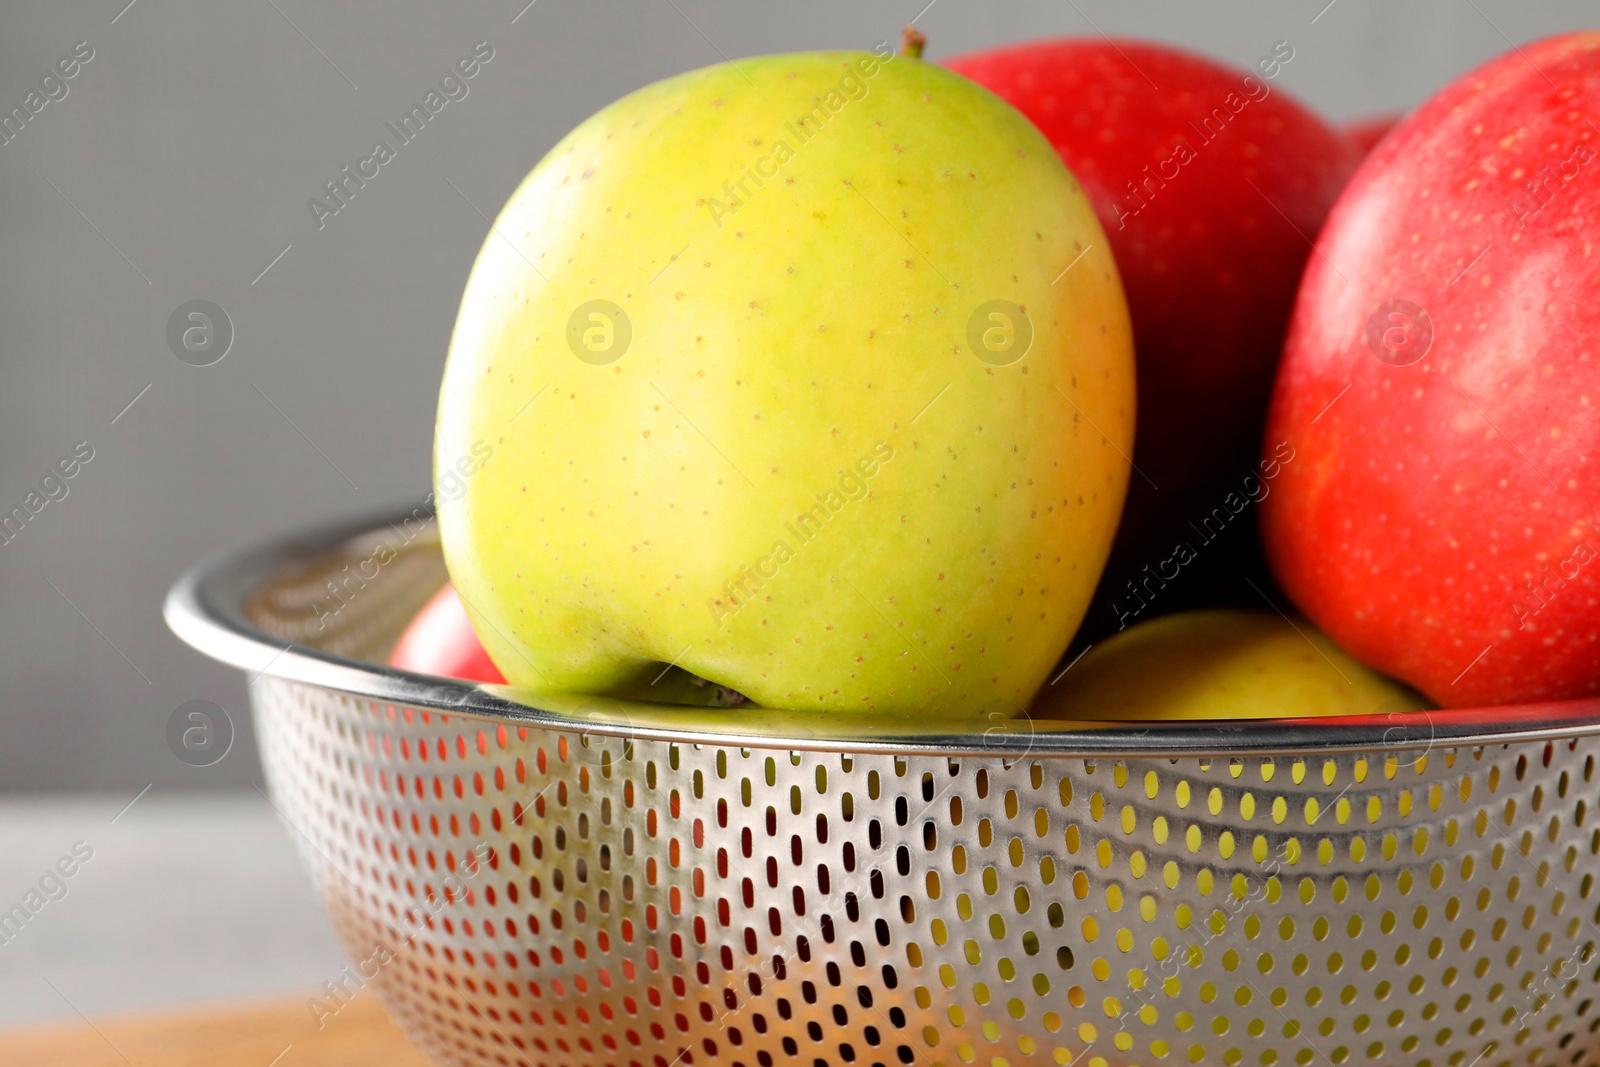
(1220, 665)
(810, 374)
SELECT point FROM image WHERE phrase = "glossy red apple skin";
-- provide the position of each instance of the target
(1210, 264)
(1369, 131)
(441, 641)
(1437, 521)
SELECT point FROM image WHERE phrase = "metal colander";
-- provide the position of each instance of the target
(573, 881)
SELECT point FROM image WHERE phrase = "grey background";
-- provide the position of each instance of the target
(192, 141)
(187, 898)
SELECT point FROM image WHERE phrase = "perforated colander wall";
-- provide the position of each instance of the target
(527, 897)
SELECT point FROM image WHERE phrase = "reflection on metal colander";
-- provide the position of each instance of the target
(537, 897)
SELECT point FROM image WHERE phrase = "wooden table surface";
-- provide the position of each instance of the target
(277, 1034)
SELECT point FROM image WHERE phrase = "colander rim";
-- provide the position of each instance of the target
(205, 608)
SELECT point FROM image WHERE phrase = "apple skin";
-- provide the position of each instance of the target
(440, 640)
(1437, 520)
(1222, 665)
(1369, 131)
(810, 350)
(1209, 264)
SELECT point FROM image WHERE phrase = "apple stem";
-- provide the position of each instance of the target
(911, 42)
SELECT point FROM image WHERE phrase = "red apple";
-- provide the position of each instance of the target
(1369, 131)
(1440, 388)
(440, 640)
(1211, 183)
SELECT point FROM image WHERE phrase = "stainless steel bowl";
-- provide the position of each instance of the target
(564, 880)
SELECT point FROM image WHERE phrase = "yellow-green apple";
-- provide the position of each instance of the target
(440, 640)
(1441, 389)
(1210, 183)
(1219, 664)
(785, 385)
